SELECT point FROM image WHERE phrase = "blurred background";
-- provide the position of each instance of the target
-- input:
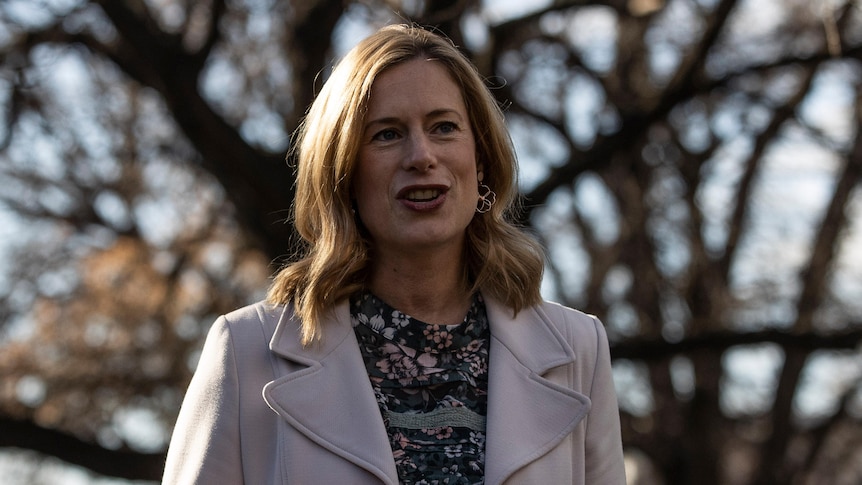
(692, 166)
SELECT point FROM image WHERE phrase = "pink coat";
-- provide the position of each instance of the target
(261, 409)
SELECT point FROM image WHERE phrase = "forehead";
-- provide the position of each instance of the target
(415, 82)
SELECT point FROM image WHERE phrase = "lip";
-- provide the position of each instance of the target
(408, 196)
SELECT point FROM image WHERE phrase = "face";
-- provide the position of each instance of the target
(416, 178)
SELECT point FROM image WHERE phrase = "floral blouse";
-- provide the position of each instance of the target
(431, 383)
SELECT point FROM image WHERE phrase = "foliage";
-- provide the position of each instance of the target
(692, 167)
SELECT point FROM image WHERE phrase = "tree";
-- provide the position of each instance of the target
(692, 167)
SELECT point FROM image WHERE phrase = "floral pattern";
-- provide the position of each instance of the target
(431, 384)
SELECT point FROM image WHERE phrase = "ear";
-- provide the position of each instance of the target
(480, 172)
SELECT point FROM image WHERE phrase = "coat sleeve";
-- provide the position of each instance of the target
(603, 451)
(205, 446)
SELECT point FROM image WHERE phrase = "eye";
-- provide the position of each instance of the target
(447, 127)
(385, 135)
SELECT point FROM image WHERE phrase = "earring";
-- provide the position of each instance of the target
(487, 198)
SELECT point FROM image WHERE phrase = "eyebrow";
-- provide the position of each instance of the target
(431, 114)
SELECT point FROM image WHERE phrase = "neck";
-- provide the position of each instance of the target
(432, 289)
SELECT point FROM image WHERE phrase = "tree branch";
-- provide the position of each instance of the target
(121, 463)
(660, 349)
(739, 217)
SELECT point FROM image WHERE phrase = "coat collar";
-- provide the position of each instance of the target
(331, 376)
(527, 414)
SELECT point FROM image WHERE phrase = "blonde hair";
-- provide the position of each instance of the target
(502, 260)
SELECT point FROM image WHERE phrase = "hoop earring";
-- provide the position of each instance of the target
(487, 198)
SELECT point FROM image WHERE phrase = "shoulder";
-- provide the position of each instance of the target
(571, 321)
(253, 324)
(585, 333)
(254, 313)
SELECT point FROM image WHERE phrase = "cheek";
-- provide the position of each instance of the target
(369, 196)
(360, 195)
(361, 183)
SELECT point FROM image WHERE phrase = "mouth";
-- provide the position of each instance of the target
(422, 195)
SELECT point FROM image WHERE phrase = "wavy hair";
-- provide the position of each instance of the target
(501, 259)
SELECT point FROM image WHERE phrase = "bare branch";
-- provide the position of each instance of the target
(720, 341)
(122, 463)
(737, 223)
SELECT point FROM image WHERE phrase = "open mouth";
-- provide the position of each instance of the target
(423, 195)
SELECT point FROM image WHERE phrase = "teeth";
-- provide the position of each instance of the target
(422, 195)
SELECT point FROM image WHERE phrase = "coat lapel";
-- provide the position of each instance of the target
(331, 376)
(528, 415)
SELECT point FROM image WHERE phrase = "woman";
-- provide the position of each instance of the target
(410, 343)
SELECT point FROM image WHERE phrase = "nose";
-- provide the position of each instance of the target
(420, 154)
